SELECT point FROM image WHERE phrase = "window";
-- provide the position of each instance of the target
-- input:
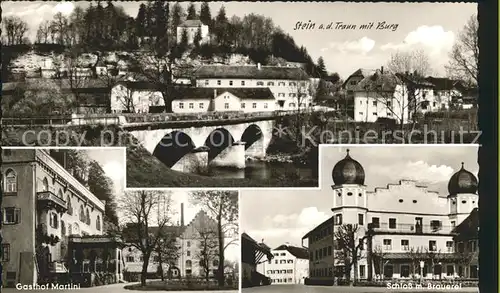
(11, 216)
(254, 105)
(374, 113)
(53, 220)
(242, 82)
(206, 82)
(87, 218)
(276, 262)
(270, 83)
(188, 243)
(188, 253)
(435, 225)
(242, 105)
(191, 105)
(432, 245)
(389, 114)
(181, 105)
(460, 247)
(289, 261)
(281, 95)
(449, 246)
(292, 83)
(201, 105)
(376, 222)
(261, 83)
(291, 105)
(5, 252)
(450, 270)
(10, 181)
(292, 95)
(281, 83)
(265, 105)
(405, 244)
(226, 105)
(282, 261)
(338, 219)
(218, 82)
(387, 244)
(374, 103)
(473, 246)
(98, 223)
(362, 271)
(188, 272)
(130, 258)
(392, 223)
(361, 219)
(360, 113)
(405, 271)
(453, 223)
(230, 82)
(188, 263)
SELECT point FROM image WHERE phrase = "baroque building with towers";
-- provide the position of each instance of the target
(400, 231)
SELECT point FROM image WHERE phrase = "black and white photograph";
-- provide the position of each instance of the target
(387, 218)
(82, 229)
(236, 94)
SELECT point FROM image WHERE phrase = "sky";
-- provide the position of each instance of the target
(284, 216)
(112, 161)
(432, 27)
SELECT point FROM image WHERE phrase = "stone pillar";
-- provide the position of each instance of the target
(231, 157)
(256, 149)
(117, 265)
(194, 162)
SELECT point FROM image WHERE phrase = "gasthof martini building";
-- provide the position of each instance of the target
(412, 229)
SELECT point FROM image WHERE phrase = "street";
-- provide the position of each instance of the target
(334, 289)
(105, 289)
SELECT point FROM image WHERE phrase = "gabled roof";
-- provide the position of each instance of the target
(130, 235)
(378, 81)
(191, 23)
(251, 72)
(141, 85)
(468, 229)
(444, 83)
(298, 252)
(326, 223)
(180, 93)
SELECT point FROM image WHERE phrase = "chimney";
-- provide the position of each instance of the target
(258, 66)
(382, 69)
(182, 214)
(215, 93)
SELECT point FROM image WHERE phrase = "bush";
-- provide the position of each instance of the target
(319, 282)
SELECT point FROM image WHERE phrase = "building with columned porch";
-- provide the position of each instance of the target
(398, 227)
(48, 215)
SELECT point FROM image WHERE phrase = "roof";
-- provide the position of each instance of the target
(141, 85)
(191, 23)
(263, 247)
(298, 252)
(444, 83)
(468, 229)
(180, 93)
(129, 235)
(378, 81)
(251, 72)
(415, 80)
(326, 223)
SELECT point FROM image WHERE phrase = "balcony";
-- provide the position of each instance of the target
(381, 228)
(48, 200)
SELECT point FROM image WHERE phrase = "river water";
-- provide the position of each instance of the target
(263, 170)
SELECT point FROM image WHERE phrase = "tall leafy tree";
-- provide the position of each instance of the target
(223, 206)
(220, 27)
(191, 12)
(176, 18)
(321, 68)
(205, 14)
(140, 22)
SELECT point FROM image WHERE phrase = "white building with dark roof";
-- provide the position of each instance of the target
(411, 224)
(289, 85)
(290, 265)
(192, 27)
(135, 97)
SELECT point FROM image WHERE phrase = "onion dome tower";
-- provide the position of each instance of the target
(462, 197)
(348, 171)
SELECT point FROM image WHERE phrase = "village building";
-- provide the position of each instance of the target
(290, 265)
(190, 240)
(289, 85)
(192, 27)
(51, 222)
(135, 97)
(412, 230)
(199, 100)
(253, 254)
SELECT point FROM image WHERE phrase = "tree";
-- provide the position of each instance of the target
(349, 250)
(321, 68)
(139, 209)
(167, 251)
(415, 62)
(77, 77)
(464, 56)
(205, 14)
(220, 27)
(43, 32)
(433, 257)
(15, 28)
(416, 255)
(102, 187)
(207, 249)
(60, 26)
(176, 18)
(223, 206)
(378, 257)
(197, 39)
(191, 12)
(43, 98)
(140, 23)
(184, 40)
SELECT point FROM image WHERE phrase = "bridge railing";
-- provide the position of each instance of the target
(134, 118)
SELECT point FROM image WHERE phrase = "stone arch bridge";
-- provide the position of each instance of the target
(192, 149)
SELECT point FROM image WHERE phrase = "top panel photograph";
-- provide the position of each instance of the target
(236, 94)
